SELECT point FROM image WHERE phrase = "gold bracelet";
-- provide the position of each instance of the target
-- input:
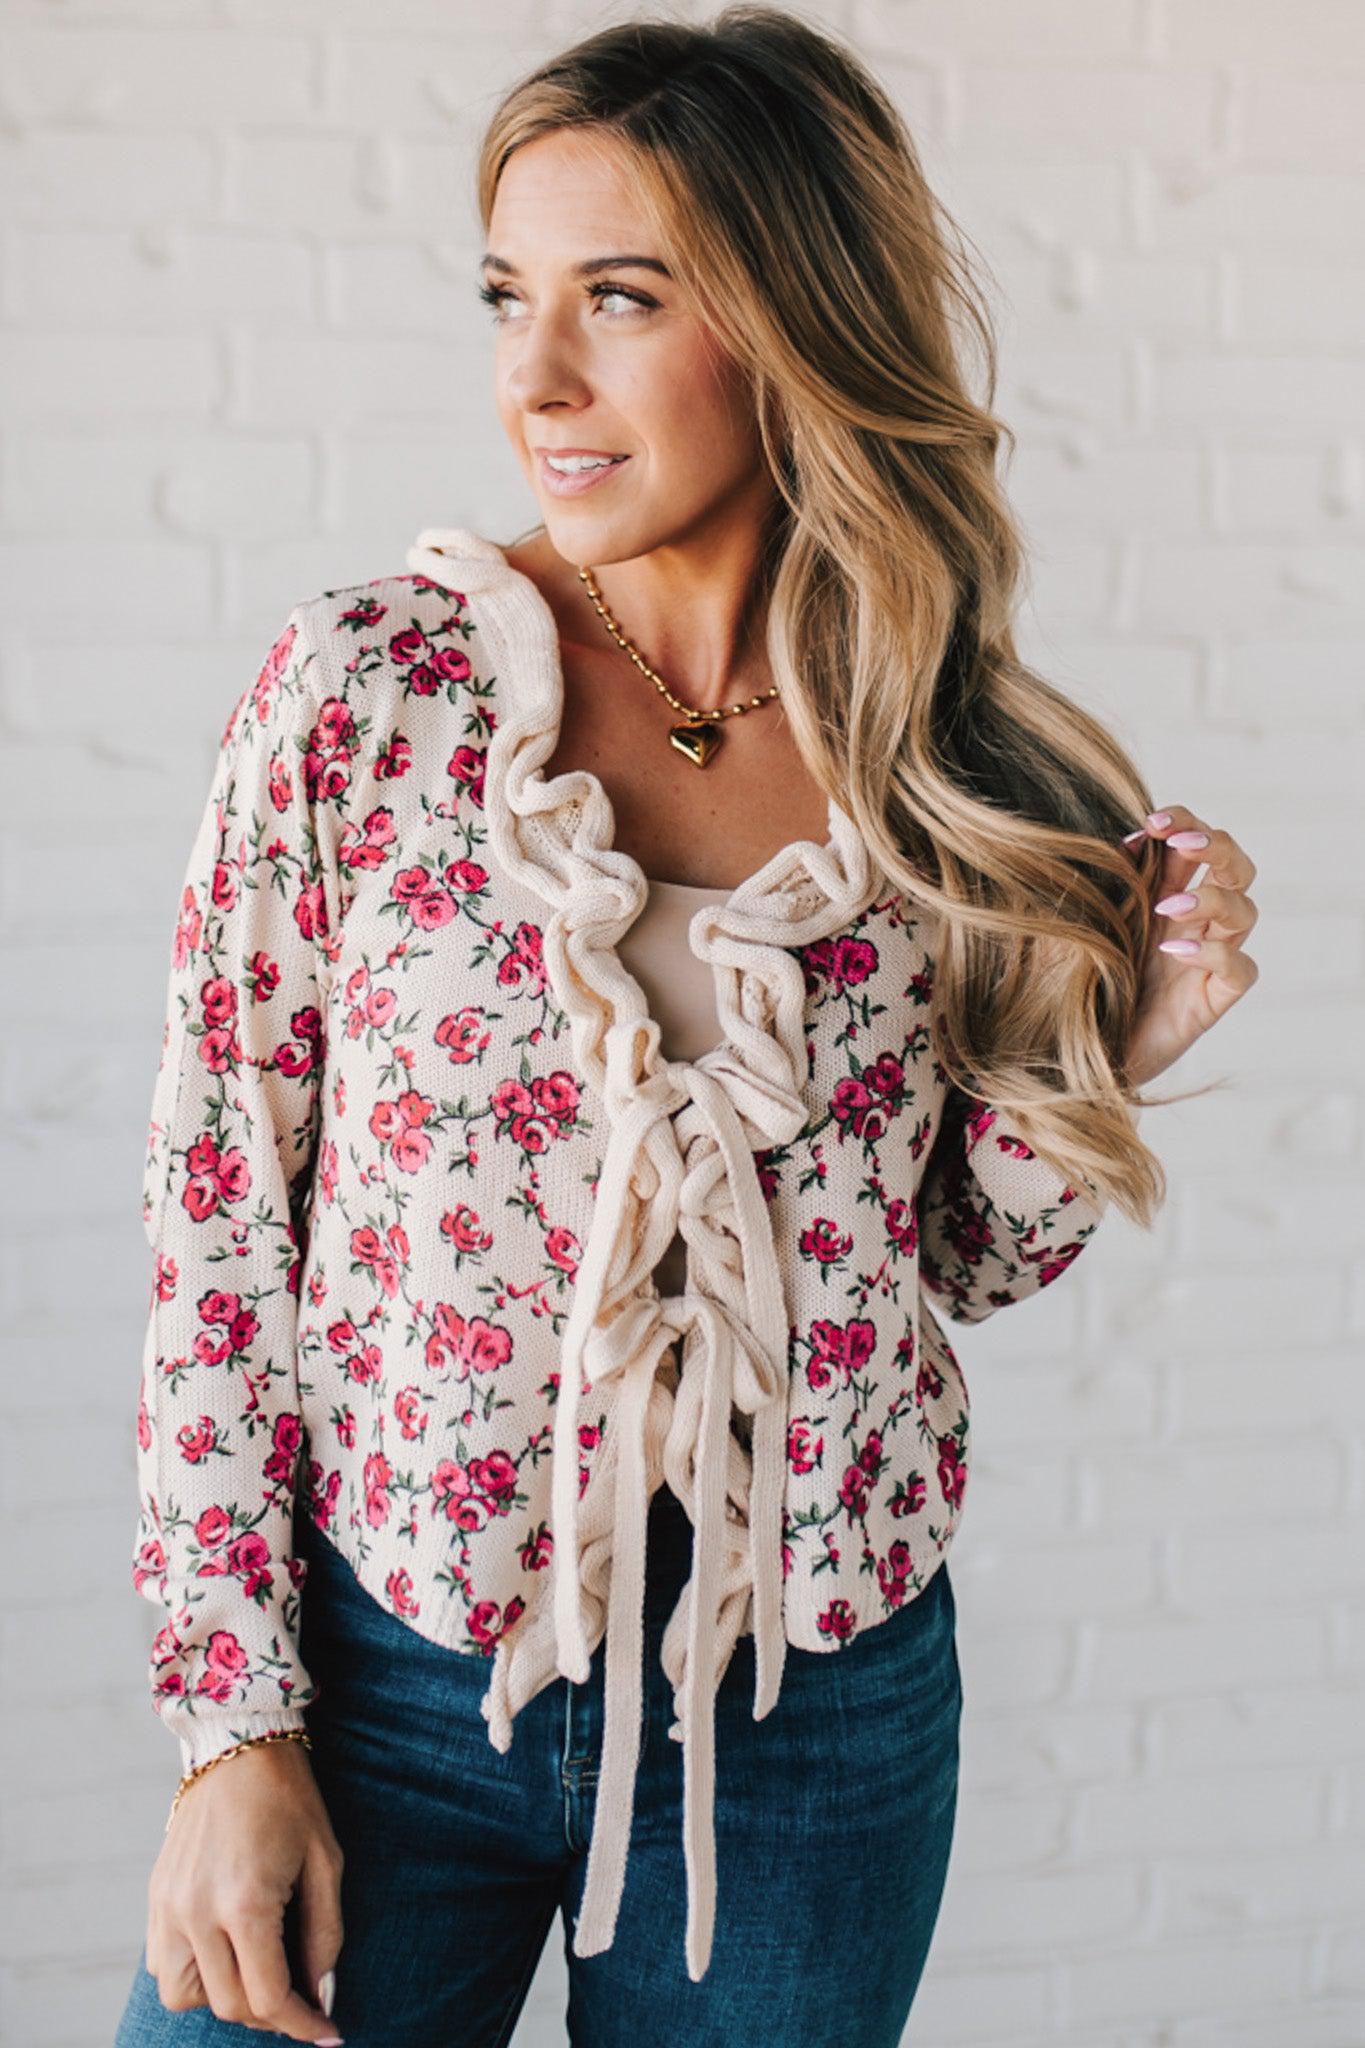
(273, 1735)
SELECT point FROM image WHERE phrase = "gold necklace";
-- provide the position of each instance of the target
(698, 737)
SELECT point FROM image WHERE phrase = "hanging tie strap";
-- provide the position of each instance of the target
(733, 1359)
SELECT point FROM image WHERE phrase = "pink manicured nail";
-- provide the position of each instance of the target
(1129, 837)
(1171, 906)
(1188, 841)
(1158, 817)
(1179, 946)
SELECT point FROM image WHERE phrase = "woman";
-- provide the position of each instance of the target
(613, 972)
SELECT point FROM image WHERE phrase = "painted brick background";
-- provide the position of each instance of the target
(241, 361)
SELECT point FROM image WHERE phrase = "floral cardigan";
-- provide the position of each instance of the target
(414, 1155)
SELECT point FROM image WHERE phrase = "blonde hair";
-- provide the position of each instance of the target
(790, 204)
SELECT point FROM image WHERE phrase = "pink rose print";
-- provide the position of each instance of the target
(465, 1035)
(855, 1489)
(487, 1624)
(824, 1242)
(842, 962)
(297, 1056)
(842, 1348)
(189, 930)
(225, 1667)
(331, 748)
(469, 1346)
(378, 1474)
(952, 1473)
(213, 1527)
(266, 686)
(563, 1249)
(427, 904)
(536, 1115)
(466, 1235)
(909, 1497)
(364, 849)
(536, 1552)
(409, 645)
(865, 1103)
(216, 1179)
(453, 1495)
(369, 1004)
(195, 1440)
(893, 1573)
(286, 1439)
(409, 1414)
(1057, 1262)
(393, 761)
(838, 1620)
(398, 1586)
(902, 1225)
(496, 1478)
(525, 962)
(466, 766)
(367, 610)
(805, 1450)
(369, 1249)
(398, 1125)
(219, 1310)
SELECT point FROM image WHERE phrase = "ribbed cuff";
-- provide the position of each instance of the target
(213, 1737)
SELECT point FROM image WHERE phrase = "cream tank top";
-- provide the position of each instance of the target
(680, 991)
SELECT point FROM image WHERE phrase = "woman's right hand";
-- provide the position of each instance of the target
(244, 1837)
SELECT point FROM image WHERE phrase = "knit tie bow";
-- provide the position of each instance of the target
(678, 1150)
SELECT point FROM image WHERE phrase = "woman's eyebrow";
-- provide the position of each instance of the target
(587, 269)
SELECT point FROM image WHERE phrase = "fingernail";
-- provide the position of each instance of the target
(1158, 817)
(1187, 841)
(327, 1991)
(1129, 837)
(328, 2041)
(1169, 906)
(1180, 946)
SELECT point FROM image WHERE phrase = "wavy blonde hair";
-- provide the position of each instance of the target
(790, 204)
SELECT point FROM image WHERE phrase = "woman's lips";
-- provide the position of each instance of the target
(573, 485)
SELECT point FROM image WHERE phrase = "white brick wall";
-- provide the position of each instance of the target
(240, 361)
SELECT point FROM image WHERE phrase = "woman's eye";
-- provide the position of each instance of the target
(494, 295)
(616, 291)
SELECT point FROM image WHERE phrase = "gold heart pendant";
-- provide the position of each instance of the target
(697, 740)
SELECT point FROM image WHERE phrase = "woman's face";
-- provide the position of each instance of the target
(613, 362)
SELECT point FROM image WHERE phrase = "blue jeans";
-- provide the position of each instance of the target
(834, 1817)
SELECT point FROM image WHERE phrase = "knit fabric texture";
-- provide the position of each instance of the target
(414, 1157)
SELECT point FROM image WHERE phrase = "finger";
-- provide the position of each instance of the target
(1225, 858)
(1225, 962)
(258, 1939)
(179, 1985)
(1227, 861)
(213, 1953)
(1159, 824)
(1178, 862)
(1229, 913)
(320, 1923)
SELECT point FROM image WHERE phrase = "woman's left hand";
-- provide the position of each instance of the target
(1186, 991)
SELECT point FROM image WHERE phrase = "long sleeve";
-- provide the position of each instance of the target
(231, 1144)
(996, 1223)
